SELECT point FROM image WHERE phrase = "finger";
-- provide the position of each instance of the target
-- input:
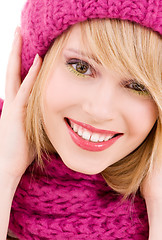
(27, 85)
(13, 77)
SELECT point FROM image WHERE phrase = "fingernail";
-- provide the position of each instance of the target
(36, 60)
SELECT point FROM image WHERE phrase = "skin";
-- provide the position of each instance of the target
(14, 160)
(97, 98)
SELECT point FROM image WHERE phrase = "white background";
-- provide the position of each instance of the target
(10, 12)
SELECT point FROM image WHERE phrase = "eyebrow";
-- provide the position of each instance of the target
(83, 54)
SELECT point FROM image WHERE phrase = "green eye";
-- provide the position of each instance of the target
(79, 67)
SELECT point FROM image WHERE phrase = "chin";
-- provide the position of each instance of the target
(83, 169)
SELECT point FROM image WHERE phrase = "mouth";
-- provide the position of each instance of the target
(90, 138)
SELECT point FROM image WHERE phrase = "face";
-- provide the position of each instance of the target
(92, 115)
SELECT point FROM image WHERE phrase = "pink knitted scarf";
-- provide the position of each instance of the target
(60, 204)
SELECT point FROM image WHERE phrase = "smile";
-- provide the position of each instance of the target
(90, 138)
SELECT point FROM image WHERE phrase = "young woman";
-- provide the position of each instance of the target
(87, 119)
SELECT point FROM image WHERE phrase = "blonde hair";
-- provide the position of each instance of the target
(124, 47)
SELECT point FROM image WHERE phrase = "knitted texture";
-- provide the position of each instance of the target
(62, 204)
(43, 21)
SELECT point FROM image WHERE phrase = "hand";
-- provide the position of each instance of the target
(151, 187)
(15, 155)
(152, 192)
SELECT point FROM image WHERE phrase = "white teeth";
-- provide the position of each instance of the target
(87, 135)
(108, 137)
(102, 138)
(95, 137)
(75, 127)
(80, 131)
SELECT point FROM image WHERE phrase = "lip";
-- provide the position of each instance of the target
(93, 129)
(88, 145)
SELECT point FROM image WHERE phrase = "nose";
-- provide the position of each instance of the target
(101, 104)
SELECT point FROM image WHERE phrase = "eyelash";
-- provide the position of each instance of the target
(132, 85)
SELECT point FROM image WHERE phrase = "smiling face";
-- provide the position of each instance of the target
(92, 115)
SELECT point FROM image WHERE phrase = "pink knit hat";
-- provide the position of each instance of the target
(44, 20)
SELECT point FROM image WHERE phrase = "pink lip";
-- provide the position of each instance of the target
(91, 146)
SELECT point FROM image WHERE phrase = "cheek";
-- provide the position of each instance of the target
(55, 93)
(60, 92)
(141, 117)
